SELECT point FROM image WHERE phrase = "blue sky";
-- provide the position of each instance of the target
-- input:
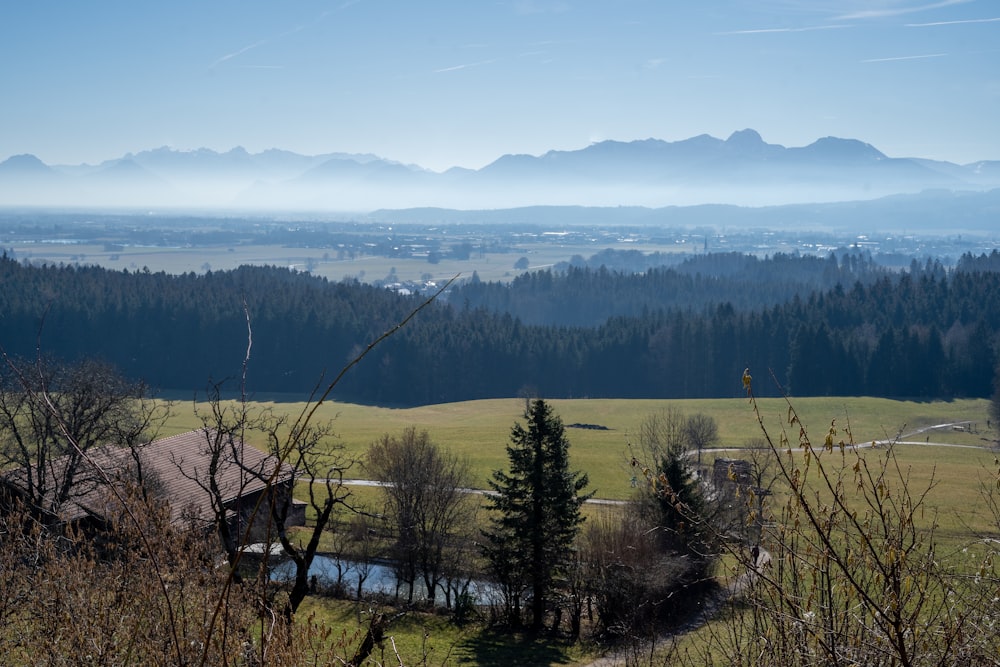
(460, 83)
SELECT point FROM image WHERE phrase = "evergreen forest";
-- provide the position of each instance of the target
(840, 325)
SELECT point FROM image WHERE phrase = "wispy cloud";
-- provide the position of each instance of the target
(454, 68)
(920, 57)
(281, 35)
(257, 44)
(761, 31)
(934, 23)
(898, 9)
(240, 52)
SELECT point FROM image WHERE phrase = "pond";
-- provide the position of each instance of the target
(380, 578)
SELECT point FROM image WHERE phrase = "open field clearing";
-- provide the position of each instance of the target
(479, 430)
(322, 262)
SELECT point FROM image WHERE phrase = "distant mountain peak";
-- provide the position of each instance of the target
(747, 137)
(840, 149)
(749, 143)
(24, 163)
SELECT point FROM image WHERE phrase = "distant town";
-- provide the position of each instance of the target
(415, 254)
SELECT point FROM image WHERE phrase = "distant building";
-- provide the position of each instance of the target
(738, 493)
(173, 470)
(730, 473)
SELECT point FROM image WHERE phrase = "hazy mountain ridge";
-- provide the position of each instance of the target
(934, 211)
(741, 170)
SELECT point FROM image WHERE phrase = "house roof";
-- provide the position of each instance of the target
(177, 468)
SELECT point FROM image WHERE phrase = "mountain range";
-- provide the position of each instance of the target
(741, 170)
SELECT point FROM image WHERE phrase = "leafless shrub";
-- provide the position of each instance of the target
(425, 489)
(853, 573)
(631, 581)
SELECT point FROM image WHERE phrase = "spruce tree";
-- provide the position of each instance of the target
(537, 516)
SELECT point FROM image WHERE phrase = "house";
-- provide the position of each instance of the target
(732, 474)
(176, 471)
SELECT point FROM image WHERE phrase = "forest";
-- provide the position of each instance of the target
(840, 325)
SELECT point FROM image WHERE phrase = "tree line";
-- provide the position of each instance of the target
(614, 283)
(923, 333)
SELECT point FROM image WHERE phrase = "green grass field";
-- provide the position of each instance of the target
(479, 430)
(428, 639)
(321, 262)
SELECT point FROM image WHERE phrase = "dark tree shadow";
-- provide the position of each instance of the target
(495, 649)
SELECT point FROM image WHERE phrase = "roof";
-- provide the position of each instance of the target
(178, 469)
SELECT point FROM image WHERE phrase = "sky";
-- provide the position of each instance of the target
(460, 83)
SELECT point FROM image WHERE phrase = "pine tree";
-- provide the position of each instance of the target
(529, 545)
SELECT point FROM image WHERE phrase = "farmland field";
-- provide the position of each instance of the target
(320, 262)
(479, 430)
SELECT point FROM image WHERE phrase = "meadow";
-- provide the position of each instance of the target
(479, 430)
(322, 262)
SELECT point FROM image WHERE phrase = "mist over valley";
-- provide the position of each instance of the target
(742, 170)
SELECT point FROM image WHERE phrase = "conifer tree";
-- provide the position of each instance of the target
(529, 545)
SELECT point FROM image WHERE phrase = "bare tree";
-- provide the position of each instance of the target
(340, 543)
(297, 441)
(659, 432)
(459, 566)
(224, 430)
(305, 448)
(55, 416)
(699, 433)
(296, 453)
(426, 501)
(363, 542)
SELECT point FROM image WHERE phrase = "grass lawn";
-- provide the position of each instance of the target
(430, 639)
(480, 430)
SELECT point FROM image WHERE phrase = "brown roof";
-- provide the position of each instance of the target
(178, 467)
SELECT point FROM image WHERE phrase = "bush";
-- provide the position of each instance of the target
(855, 576)
(637, 588)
